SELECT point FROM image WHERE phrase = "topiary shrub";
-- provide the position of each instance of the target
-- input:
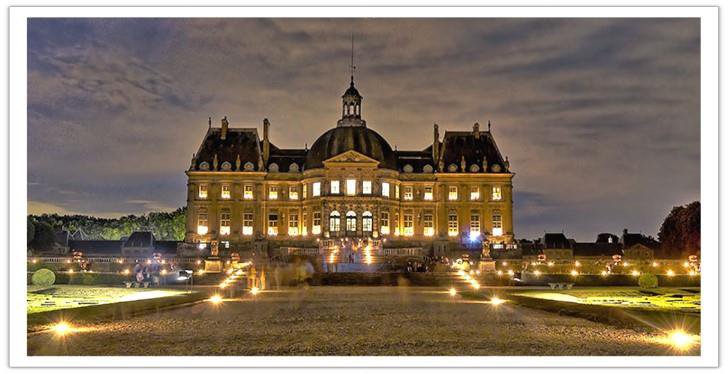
(44, 278)
(648, 280)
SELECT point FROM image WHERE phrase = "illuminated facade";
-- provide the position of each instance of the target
(245, 192)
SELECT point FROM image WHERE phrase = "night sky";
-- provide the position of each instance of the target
(599, 117)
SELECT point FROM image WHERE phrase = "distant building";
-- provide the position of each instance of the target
(557, 247)
(141, 244)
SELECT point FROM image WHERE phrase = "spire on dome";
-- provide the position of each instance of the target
(351, 106)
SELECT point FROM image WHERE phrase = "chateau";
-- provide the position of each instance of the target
(244, 193)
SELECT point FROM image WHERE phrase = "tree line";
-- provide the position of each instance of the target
(164, 225)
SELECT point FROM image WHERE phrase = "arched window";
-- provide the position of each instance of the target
(366, 221)
(334, 221)
(350, 221)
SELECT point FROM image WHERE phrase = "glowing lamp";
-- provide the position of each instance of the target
(215, 299)
(574, 273)
(495, 301)
(452, 291)
(62, 328)
(670, 273)
(254, 291)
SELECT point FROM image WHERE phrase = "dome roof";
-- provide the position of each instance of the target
(352, 91)
(351, 138)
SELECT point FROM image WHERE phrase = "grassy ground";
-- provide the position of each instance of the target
(352, 321)
(685, 300)
(65, 296)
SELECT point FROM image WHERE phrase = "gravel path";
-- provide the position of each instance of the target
(351, 321)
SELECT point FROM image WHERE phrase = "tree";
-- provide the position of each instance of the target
(44, 237)
(680, 231)
(31, 230)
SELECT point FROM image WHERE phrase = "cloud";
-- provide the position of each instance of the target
(600, 117)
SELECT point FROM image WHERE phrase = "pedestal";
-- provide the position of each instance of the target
(486, 265)
(213, 265)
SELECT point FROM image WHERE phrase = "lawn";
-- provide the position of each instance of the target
(72, 296)
(674, 299)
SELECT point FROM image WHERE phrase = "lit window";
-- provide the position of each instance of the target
(497, 223)
(335, 187)
(273, 193)
(475, 193)
(304, 192)
(428, 223)
(428, 193)
(384, 223)
(316, 189)
(293, 223)
(225, 222)
(225, 193)
(474, 224)
(396, 224)
(316, 227)
(202, 192)
(408, 192)
(452, 193)
(350, 221)
(385, 189)
(293, 193)
(304, 226)
(248, 223)
(248, 192)
(366, 187)
(351, 187)
(273, 224)
(452, 224)
(408, 224)
(202, 222)
(366, 222)
(396, 191)
(334, 221)
(497, 193)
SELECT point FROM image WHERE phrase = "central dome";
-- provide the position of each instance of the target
(351, 138)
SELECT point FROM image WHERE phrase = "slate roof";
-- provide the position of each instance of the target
(238, 141)
(417, 159)
(556, 241)
(285, 157)
(459, 144)
(166, 246)
(140, 239)
(630, 239)
(96, 247)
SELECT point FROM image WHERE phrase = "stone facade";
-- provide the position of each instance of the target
(246, 193)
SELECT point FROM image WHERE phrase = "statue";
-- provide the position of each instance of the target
(192, 163)
(485, 164)
(507, 164)
(462, 163)
(237, 162)
(214, 162)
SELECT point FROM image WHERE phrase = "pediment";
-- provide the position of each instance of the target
(352, 157)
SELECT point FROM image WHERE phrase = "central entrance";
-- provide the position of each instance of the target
(351, 254)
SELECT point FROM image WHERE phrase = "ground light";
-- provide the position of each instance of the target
(215, 299)
(254, 291)
(680, 340)
(452, 291)
(62, 328)
(495, 301)
(574, 273)
(670, 273)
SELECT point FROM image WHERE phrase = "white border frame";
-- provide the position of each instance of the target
(709, 185)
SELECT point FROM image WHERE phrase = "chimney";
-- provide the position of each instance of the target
(266, 142)
(224, 129)
(476, 130)
(435, 144)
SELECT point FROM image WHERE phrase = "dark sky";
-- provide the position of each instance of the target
(599, 117)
